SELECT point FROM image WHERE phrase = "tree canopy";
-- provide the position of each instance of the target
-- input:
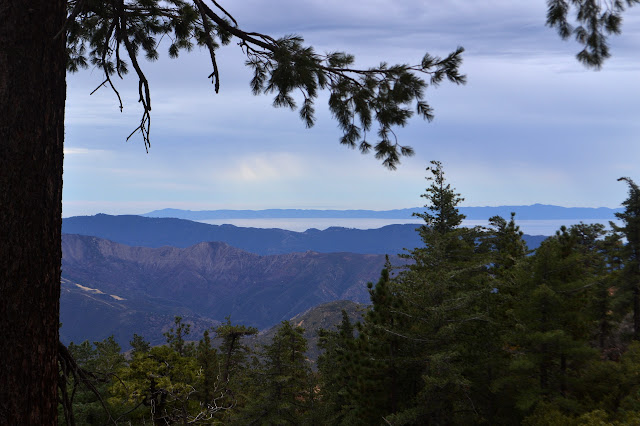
(41, 40)
(593, 22)
(366, 103)
(473, 329)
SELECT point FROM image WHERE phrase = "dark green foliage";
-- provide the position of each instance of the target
(209, 390)
(234, 351)
(176, 337)
(103, 34)
(387, 368)
(474, 329)
(594, 22)
(550, 340)
(182, 382)
(336, 369)
(442, 215)
(631, 251)
(507, 243)
(139, 345)
(88, 382)
(282, 391)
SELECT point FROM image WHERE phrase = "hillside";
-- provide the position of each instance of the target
(325, 316)
(88, 313)
(112, 287)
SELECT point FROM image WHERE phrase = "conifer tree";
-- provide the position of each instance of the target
(233, 360)
(550, 342)
(610, 305)
(158, 386)
(336, 371)
(631, 230)
(384, 363)
(113, 36)
(210, 390)
(85, 398)
(446, 288)
(176, 337)
(283, 391)
(442, 215)
(138, 344)
(433, 318)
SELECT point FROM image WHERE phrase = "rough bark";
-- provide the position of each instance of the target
(636, 307)
(32, 98)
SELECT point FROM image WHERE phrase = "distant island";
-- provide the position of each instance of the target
(532, 212)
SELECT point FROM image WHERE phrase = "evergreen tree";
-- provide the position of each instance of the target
(88, 383)
(384, 365)
(175, 337)
(233, 362)
(631, 230)
(506, 243)
(69, 35)
(283, 391)
(210, 389)
(550, 344)
(442, 215)
(336, 371)
(424, 339)
(444, 294)
(139, 345)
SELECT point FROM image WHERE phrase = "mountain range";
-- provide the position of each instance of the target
(110, 288)
(132, 274)
(531, 212)
(158, 232)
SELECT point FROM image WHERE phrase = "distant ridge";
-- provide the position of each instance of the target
(532, 212)
(111, 288)
(157, 232)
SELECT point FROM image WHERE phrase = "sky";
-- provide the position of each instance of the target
(532, 125)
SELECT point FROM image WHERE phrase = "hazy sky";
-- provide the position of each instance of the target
(531, 125)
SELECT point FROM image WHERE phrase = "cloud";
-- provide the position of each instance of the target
(528, 110)
(264, 167)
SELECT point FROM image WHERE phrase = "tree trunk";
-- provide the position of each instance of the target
(32, 98)
(636, 308)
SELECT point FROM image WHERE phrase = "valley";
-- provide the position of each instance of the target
(111, 288)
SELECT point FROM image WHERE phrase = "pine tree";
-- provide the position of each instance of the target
(85, 398)
(550, 342)
(176, 337)
(424, 338)
(159, 386)
(444, 293)
(233, 361)
(139, 345)
(631, 230)
(384, 366)
(336, 371)
(442, 215)
(283, 391)
(112, 36)
(210, 390)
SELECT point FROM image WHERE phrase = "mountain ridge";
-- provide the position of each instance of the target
(120, 286)
(525, 212)
(157, 232)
